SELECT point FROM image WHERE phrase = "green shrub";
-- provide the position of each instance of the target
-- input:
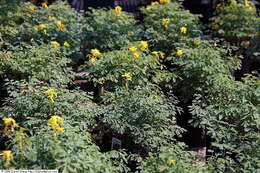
(30, 105)
(58, 22)
(109, 69)
(11, 16)
(230, 113)
(72, 151)
(46, 63)
(236, 22)
(107, 31)
(169, 26)
(173, 160)
(141, 116)
(197, 66)
(253, 50)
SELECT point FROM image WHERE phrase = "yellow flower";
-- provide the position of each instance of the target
(127, 77)
(55, 122)
(95, 52)
(60, 25)
(44, 5)
(118, 10)
(66, 44)
(164, 1)
(155, 53)
(93, 60)
(7, 155)
(55, 43)
(32, 8)
(42, 26)
(196, 42)
(31, 41)
(132, 49)
(55, 136)
(155, 3)
(148, 8)
(215, 44)
(166, 22)
(183, 30)
(247, 3)
(51, 18)
(162, 54)
(51, 93)
(59, 129)
(143, 45)
(170, 161)
(136, 55)
(179, 52)
(35, 28)
(45, 32)
(9, 122)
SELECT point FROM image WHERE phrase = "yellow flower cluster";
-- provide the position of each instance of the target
(143, 45)
(55, 122)
(164, 2)
(165, 22)
(66, 44)
(155, 3)
(161, 2)
(42, 26)
(170, 161)
(7, 156)
(179, 52)
(148, 8)
(44, 5)
(156, 53)
(51, 18)
(247, 3)
(95, 52)
(196, 42)
(118, 10)
(183, 30)
(136, 55)
(31, 8)
(132, 49)
(60, 25)
(93, 60)
(55, 43)
(127, 77)
(51, 93)
(9, 122)
(35, 28)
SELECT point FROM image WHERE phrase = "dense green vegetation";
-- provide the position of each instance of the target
(138, 78)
